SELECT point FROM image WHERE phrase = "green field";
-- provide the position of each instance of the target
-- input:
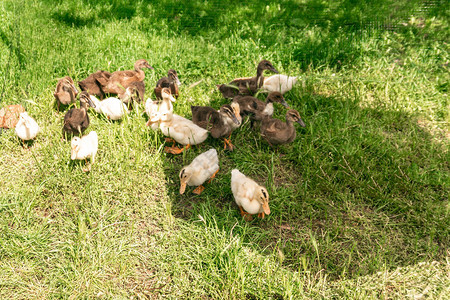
(359, 201)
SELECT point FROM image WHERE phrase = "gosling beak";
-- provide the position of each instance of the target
(266, 208)
(178, 82)
(149, 67)
(182, 187)
(238, 116)
(75, 89)
(235, 119)
(284, 103)
(300, 121)
(274, 70)
(90, 102)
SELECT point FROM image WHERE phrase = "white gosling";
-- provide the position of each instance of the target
(84, 148)
(279, 83)
(27, 128)
(112, 108)
(204, 166)
(251, 197)
(181, 130)
(153, 108)
(152, 111)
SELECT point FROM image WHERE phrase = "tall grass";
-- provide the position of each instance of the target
(359, 200)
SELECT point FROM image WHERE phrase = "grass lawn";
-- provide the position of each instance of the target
(359, 201)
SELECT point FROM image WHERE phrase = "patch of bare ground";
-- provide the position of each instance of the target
(145, 283)
(286, 175)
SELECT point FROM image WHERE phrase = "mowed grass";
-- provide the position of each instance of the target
(359, 201)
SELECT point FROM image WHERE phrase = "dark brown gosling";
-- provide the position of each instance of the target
(277, 132)
(92, 83)
(258, 109)
(65, 92)
(228, 91)
(171, 81)
(76, 120)
(247, 85)
(120, 80)
(220, 123)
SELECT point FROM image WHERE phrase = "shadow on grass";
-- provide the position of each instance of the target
(92, 12)
(338, 26)
(359, 189)
(197, 17)
(194, 17)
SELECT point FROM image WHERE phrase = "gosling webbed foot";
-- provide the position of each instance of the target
(176, 150)
(213, 176)
(199, 190)
(246, 215)
(228, 145)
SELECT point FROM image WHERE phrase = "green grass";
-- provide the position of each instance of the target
(359, 201)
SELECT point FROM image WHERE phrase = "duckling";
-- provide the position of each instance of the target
(27, 128)
(112, 108)
(76, 120)
(152, 111)
(204, 166)
(220, 123)
(152, 108)
(65, 92)
(84, 148)
(256, 108)
(133, 93)
(120, 80)
(92, 85)
(228, 91)
(251, 197)
(9, 115)
(279, 83)
(181, 130)
(277, 132)
(171, 81)
(247, 85)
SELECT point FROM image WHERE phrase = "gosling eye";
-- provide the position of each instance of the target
(264, 194)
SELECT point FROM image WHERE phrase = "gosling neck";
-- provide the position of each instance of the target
(83, 106)
(259, 77)
(72, 95)
(289, 122)
(268, 110)
(139, 73)
(168, 103)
